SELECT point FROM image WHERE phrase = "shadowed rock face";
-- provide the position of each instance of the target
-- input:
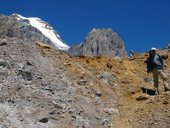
(100, 42)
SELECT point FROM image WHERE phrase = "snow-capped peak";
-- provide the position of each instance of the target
(45, 30)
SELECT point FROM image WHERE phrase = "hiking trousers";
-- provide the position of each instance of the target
(156, 74)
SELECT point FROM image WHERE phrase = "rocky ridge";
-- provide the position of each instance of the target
(100, 42)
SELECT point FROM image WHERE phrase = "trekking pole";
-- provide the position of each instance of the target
(147, 80)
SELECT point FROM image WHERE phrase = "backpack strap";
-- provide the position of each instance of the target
(160, 58)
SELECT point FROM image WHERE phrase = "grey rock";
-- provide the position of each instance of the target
(111, 111)
(87, 125)
(100, 42)
(79, 121)
(147, 79)
(29, 63)
(3, 72)
(3, 63)
(105, 122)
(57, 105)
(166, 47)
(2, 113)
(3, 43)
(43, 120)
(98, 93)
(20, 102)
(107, 78)
(19, 66)
(81, 82)
(26, 75)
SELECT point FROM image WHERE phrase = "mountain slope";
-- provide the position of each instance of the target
(37, 89)
(40, 87)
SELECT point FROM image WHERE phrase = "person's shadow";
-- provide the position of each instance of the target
(148, 91)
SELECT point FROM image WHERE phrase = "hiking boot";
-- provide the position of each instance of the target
(167, 89)
(156, 92)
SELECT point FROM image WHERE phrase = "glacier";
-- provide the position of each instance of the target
(46, 30)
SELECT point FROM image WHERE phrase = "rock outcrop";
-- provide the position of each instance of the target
(100, 42)
(166, 48)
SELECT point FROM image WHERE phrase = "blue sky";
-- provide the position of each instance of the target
(141, 24)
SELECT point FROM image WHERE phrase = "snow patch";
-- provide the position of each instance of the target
(47, 31)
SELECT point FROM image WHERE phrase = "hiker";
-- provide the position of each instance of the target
(156, 65)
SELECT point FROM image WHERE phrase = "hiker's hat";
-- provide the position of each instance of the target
(153, 49)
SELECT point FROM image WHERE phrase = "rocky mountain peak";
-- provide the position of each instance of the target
(101, 42)
(31, 28)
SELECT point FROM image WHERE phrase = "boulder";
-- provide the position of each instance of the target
(43, 45)
(107, 78)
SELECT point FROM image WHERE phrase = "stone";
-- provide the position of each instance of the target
(3, 63)
(81, 82)
(3, 113)
(87, 125)
(20, 102)
(28, 63)
(147, 79)
(27, 75)
(98, 93)
(3, 72)
(57, 105)
(43, 120)
(79, 121)
(19, 66)
(109, 65)
(111, 111)
(43, 45)
(107, 77)
(104, 122)
(142, 97)
(3, 43)
(165, 102)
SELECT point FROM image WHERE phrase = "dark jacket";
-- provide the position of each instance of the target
(154, 62)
